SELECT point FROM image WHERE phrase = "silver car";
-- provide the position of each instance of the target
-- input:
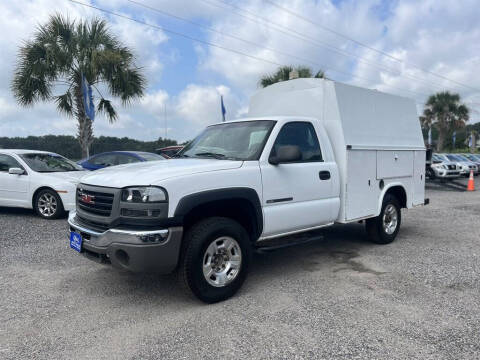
(441, 169)
(464, 164)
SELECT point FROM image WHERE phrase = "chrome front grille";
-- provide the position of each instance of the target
(95, 202)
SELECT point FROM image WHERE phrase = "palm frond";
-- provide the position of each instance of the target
(105, 107)
(65, 103)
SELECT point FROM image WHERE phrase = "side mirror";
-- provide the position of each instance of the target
(16, 171)
(286, 154)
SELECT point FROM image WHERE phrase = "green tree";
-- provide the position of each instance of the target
(283, 74)
(51, 66)
(444, 111)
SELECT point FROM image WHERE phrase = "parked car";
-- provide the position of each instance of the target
(440, 169)
(169, 151)
(113, 158)
(464, 164)
(40, 180)
(475, 158)
(333, 158)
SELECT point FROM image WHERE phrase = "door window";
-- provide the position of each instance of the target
(301, 134)
(7, 162)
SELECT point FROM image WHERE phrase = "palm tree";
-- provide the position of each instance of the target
(51, 67)
(283, 74)
(445, 112)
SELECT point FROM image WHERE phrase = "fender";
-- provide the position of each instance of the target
(384, 191)
(187, 203)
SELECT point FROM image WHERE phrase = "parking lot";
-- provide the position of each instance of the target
(340, 297)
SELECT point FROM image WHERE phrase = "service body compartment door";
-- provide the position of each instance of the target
(362, 189)
(394, 164)
(419, 178)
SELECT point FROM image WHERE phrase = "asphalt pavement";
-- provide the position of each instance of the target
(337, 298)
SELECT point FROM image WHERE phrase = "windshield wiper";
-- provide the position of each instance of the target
(211, 154)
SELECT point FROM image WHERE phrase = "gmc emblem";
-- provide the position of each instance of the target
(87, 199)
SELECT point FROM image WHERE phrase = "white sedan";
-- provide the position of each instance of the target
(40, 180)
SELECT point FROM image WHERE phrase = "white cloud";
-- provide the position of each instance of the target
(440, 36)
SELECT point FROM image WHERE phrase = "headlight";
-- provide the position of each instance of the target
(445, 167)
(144, 194)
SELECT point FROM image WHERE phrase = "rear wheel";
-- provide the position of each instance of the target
(48, 205)
(384, 228)
(215, 259)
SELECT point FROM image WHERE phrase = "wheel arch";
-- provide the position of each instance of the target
(44, 187)
(241, 204)
(396, 189)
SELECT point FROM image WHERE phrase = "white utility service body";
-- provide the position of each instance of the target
(311, 153)
(375, 137)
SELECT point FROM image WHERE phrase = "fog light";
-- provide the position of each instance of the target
(122, 257)
(153, 238)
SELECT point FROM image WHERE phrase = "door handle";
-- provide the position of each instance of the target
(324, 175)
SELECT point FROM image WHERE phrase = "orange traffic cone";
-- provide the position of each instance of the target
(471, 185)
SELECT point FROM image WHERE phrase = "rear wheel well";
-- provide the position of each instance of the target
(240, 210)
(399, 193)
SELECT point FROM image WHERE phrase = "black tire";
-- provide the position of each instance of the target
(196, 242)
(430, 173)
(37, 204)
(375, 226)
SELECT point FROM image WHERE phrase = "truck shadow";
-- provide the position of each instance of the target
(336, 252)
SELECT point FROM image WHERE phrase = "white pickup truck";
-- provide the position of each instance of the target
(311, 153)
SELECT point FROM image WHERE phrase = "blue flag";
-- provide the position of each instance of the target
(470, 140)
(430, 136)
(88, 99)
(222, 108)
(454, 138)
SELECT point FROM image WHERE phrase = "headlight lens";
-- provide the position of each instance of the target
(144, 194)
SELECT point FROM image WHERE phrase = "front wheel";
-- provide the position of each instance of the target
(384, 228)
(215, 258)
(48, 205)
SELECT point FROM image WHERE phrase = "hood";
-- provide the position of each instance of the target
(70, 176)
(153, 172)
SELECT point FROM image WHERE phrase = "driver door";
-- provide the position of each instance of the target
(298, 195)
(13, 188)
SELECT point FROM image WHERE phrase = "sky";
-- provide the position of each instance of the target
(411, 48)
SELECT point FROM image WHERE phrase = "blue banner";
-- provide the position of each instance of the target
(88, 99)
(222, 108)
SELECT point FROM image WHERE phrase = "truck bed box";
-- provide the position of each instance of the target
(376, 138)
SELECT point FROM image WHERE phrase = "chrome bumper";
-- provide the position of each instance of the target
(136, 251)
(117, 235)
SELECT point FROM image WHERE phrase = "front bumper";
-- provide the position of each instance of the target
(442, 173)
(137, 251)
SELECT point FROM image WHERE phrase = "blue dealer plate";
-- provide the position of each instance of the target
(76, 241)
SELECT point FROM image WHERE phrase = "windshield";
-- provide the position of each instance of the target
(454, 158)
(151, 156)
(462, 158)
(49, 163)
(232, 141)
